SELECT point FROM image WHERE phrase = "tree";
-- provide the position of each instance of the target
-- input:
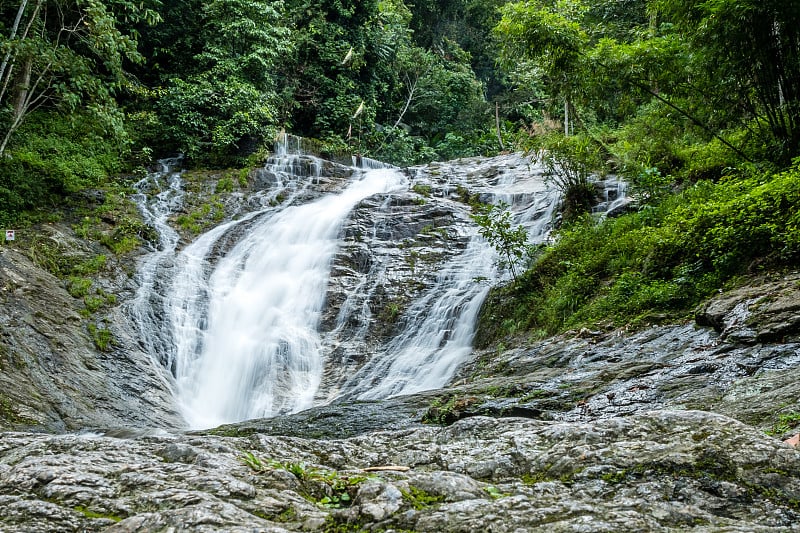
(749, 51)
(495, 224)
(65, 54)
(549, 34)
(228, 104)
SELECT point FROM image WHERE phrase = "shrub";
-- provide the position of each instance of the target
(662, 260)
(570, 161)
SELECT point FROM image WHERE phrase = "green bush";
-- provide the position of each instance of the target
(662, 260)
(102, 338)
(570, 161)
(78, 287)
(51, 157)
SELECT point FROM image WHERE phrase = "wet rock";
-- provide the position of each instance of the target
(52, 375)
(345, 418)
(655, 471)
(398, 248)
(263, 178)
(377, 501)
(623, 373)
(763, 311)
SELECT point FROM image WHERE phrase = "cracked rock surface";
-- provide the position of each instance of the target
(655, 471)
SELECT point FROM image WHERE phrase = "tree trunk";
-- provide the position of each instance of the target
(24, 85)
(11, 37)
(21, 102)
(497, 123)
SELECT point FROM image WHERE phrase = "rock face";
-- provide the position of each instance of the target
(52, 376)
(397, 252)
(658, 471)
(598, 376)
(760, 312)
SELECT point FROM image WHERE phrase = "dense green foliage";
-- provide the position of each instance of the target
(695, 102)
(348, 73)
(216, 81)
(54, 158)
(661, 259)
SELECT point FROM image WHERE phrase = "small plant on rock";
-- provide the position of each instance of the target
(496, 226)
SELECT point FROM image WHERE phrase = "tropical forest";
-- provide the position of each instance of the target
(395, 266)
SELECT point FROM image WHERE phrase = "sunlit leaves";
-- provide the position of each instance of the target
(545, 33)
(66, 54)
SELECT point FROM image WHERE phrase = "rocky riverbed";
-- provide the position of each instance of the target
(654, 471)
(657, 430)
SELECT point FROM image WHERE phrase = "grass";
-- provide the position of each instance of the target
(102, 338)
(328, 489)
(88, 513)
(654, 264)
(202, 217)
(786, 422)
(420, 499)
(422, 190)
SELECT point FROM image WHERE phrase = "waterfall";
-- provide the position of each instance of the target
(235, 315)
(261, 352)
(438, 327)
(437, 336)
(148, 301)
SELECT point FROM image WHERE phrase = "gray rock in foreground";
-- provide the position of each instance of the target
(52, 377)
(658, 471)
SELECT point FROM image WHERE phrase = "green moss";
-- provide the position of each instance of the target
(547, 474)
(88, 513)
(326, 488)
(332, 525)
(532, 478)
(101, 337)
(422, 190)
(287, 515)
(447, 409)
(700, 435)
(496, 493)
(279, 199)
(78, 287)
(231, 431)
(10, 413)
(420, 499)
(617, 476)
(536, 394)
(785, 423)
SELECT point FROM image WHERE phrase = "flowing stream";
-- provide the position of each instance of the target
(236, 316)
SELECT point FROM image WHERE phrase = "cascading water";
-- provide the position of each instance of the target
(148, 302)
(262, 352)
(238, 323)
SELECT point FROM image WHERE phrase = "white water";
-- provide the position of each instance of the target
(259, 353)
(439, 326)
(238, 323)
(438, 334)
(147, 303)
